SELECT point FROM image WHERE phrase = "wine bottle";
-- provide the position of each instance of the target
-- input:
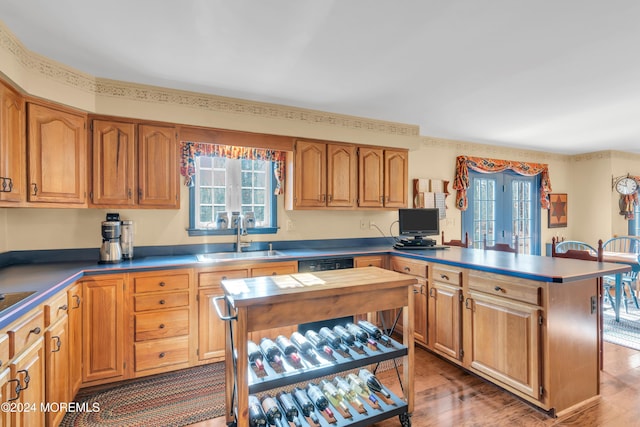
(257, 417)
(334, 396)
(255, 355)
(288, 348)
(271, 351)
(361, 388)
(318, 342)
(317, 397)
(303, 345)
(290, 408)
(371, 329)
(306, 405)
(347, 337)
(358, 332)
(348, 393)
(333, 340)
(272, 411)
(372, 382)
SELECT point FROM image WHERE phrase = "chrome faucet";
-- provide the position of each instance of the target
(240, 231)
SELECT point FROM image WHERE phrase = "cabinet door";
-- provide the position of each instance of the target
(57, 156)
(114, 151)
(420, 311)
(158, 167)
(211, 330)
(370, 177)
(310, 178)
(5, 394)
(29, 364)
(74, 295)
(103, 329)
(12, 145)
(56, 352)
(395, 179)
(341, 175)
(505, 339)
(445, 319)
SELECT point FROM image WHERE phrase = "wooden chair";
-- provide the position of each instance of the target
(503, 247)
(624, 244)
(454, 242)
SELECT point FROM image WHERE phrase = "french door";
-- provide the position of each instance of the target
(501, 206)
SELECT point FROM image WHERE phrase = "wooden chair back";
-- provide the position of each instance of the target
(626, 244)
(576, 250)
(453, 242)
(503, 247)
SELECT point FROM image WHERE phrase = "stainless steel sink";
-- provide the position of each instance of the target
(230, 256)
(11, 298)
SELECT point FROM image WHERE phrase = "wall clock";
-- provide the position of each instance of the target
(626, 186)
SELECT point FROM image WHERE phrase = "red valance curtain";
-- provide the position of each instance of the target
(191, 150)
(484, 165)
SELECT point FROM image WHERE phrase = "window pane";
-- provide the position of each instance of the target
(246, 196)
(205, 162)
(206, 214)
(258, 179)
(258, 197)
(246, 179)
(205, 196)
(219, 162)
(219, 195)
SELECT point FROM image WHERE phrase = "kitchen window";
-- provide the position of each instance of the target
(244, 181)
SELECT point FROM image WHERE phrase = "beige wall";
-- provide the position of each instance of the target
(586, 178)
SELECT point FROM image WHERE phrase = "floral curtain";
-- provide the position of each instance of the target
(191, 150)
(484, 165)
(629, 201)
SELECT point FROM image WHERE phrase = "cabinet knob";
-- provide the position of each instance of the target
(161, 325)
(35, 330)
(498, 289)
(407, 268)
(162, 284)
(161, 355)
(224, 278)
(444, 277)
(161, 302)
(63, 307)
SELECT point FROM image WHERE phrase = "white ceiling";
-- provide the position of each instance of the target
(554, 75)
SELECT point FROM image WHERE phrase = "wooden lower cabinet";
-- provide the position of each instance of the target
(104, 332)
(445, 319)
(57, 388)
(30, 364)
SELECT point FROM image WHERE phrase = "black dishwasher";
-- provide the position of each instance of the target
(324, 264)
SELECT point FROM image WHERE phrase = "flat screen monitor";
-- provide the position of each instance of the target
(419, 222)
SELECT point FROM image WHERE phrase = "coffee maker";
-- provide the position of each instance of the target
(111, 251)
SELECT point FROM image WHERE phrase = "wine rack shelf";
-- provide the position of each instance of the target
(262, 303)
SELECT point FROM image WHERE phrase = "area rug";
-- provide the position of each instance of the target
(174, 399)
(626, 332)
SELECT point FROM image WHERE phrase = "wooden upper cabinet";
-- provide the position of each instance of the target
(57, 150)
(341, 175)
(382, 178)
(370, 177)
(12, 147)
(114, 169)
(158, 167)
(310, 178)
(395, 178)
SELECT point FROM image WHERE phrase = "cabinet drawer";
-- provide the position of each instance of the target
(25, 333)
(516, 289)
(164, 324)
(213, 278)
(162, 282)
(155, 354)
(274, 269)
(451, 276)
(407, 266)
(157, 301)
(55, 309)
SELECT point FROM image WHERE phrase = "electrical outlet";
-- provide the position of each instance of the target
(290, 225)
(363, 224)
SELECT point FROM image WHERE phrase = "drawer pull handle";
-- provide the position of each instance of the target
(17, 389)
(444, 277)
(162, 284)
(161, 325)
(161, 355)
(407, 268)
(224, 278)
(162, 302)
(415, 291)
(35, 188)
(431, 292)
(58, 344)
(467, 303)
(63, 307)
(35, 330)
(275, 273)
(78, 299)
(499, 289)
(27, 378)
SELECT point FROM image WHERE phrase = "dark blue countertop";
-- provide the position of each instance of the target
(49, 278)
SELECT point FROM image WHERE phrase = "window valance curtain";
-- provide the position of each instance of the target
(484, 165)
(191, 150)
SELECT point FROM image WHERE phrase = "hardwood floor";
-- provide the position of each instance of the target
(447, 396)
